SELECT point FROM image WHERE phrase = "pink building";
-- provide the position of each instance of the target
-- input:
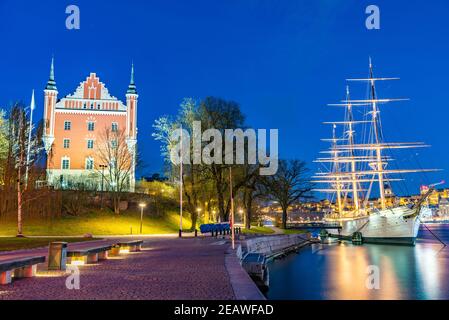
(74, 125)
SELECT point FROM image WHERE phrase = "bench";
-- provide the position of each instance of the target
(214, 228)
(88, 255)
(130, 246)
(19, 268)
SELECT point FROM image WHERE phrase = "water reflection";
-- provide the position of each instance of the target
(340, 271)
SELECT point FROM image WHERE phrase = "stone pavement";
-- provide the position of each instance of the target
(166, 269)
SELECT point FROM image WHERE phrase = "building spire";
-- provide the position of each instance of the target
(51, 84)
(33, 103)
(132, 85)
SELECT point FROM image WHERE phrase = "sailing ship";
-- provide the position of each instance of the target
(356, 164)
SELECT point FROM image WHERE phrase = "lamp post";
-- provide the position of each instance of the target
(180, 187)
(142, 205)
(232, 209)
(102, 167)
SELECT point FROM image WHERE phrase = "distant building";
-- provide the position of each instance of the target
(443, 207)
(73, 124)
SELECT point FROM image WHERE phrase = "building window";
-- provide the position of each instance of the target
(114, 127)
(65, 164)
(90, 144)
(114, 144)
(66, 143)
(89, 163)
(91, 126)
(67, 125)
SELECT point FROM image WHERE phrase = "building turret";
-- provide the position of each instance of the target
(131, 104)
(50, 97)
(131, 118)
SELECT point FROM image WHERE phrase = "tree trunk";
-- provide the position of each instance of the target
(116, 204)
(194, 217)
(19, 197)
(248, 213)
(220, 197)
(284, 218)
(19, 208)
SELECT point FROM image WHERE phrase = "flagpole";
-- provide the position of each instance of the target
(32, 106)
(232, 209)
(180, 190)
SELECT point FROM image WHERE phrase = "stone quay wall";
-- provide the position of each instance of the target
(271, 245)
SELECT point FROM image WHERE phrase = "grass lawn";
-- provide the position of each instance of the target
(97, 223)
(13, 243)
(256, 229)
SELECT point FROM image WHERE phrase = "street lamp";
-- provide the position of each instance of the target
(142, 205)
(242, 216)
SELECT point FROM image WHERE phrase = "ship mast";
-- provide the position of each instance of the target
(337, 168)
(350, 132)
(374, 118)
(345, 174)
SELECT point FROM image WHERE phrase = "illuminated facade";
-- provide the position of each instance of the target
(74, 125)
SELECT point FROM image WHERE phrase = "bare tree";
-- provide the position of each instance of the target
(252, 189)
(114, 152)
(21, 141)
(289, 185)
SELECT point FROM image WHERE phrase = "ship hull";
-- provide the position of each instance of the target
(390, 226)
(405, 241)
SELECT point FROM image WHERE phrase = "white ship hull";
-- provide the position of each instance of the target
(390, 226)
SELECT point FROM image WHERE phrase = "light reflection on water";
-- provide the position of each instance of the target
(339, 271)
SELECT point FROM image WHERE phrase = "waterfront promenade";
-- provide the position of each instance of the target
(167, 268)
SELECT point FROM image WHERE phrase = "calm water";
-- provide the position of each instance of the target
(339, 271)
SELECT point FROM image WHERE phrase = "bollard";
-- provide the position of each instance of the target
(57, 256)
(180, 233)
(196, 233)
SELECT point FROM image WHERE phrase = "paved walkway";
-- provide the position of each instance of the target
(166, 269)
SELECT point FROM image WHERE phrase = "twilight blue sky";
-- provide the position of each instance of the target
(283, 61)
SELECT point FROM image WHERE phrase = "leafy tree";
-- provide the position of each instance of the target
(212, 113)
(192, 173)
(219, 114)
